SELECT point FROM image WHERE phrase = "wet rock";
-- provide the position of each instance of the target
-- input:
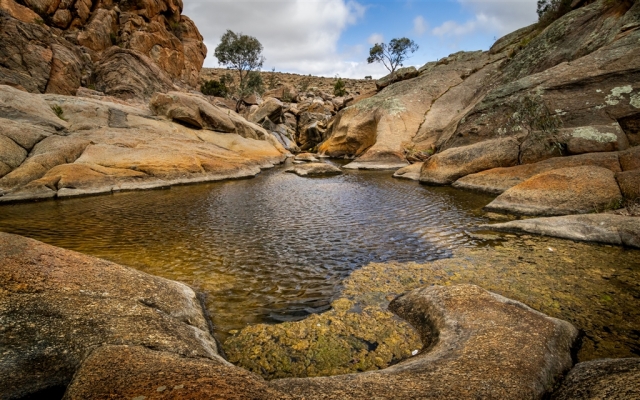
(476, 344)
(378, 160)
(446, 167)
(600, 228)
(314, 169)
(409, 172)
(574, 190)
(614, 379)
(497, 180)
(138, 372)
(58, 305)
(305, 157)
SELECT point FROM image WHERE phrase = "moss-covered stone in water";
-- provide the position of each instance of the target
(561, 278)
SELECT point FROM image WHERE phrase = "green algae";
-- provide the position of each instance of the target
(563, 279)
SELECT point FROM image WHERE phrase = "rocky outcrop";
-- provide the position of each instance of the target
(446, 167)
(60, 146)
(135, 372)
(601, 228)
(614, 379)
(574, 190)
(497, 180)
(400, 75)
(124, 49)
(58, 305)
(452, 321)
(314, 169)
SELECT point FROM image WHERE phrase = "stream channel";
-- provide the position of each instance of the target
(274, 248)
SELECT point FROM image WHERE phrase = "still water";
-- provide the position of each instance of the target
(273, 248)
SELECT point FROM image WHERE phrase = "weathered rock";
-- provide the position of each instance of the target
(400, 75)
(271, 108)
(601, 228)
(135, 372)
(476, 344)
(573, 190)
(409, 172)
(615, 379)
(128, 74)
(284, 92)
(102, 146)
(312, 129)
(305, 157)
(629, 182)
(630, 159)
(57, 305)
(378, 160)
(196, 111)
(589, 139)
(446, 167)
(497, 180)
(314, 169)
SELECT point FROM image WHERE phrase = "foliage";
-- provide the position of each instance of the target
(304, 83)
(253, 84)
(531, 113)
(392, 55)
(272, 79)
(550, 10)
(240, 52)
(58, 111)
(215, 88)
(339, 88)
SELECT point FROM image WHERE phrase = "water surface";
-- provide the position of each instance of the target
(273, 248)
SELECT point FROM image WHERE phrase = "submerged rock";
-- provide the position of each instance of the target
(476, 345)
(575, 190)
(600, 228)
(314, 169)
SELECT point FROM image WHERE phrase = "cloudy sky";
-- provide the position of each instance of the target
(333, 37)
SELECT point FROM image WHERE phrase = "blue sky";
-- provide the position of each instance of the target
(333, 37)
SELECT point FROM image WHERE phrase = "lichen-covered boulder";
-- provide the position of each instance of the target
(614, 379)
(573, 190)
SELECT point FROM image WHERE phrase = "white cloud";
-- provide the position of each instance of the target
(499, 16)
(375, 38)
(298, 35)
(419, 25)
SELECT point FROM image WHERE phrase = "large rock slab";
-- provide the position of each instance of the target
(314, 169)
(411, 172)
(476, 345)
(574, 190)
(497, 180)
(119, 147)
(450, 165)
(130, 372)
(57, 305)
(614, 379)
(629, 182)
(601, 228)
(194, 110)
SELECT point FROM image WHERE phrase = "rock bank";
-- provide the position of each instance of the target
(314, 169)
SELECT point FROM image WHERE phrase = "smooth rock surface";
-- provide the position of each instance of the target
(476, 345)
(57, 305)
(611, 379)
(600, 228)
(450, 165)
(497, 180)
(314, 169)
(574, 190)
(130, 372)
(305, 157)
(409, 172)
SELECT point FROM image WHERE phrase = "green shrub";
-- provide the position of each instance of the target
(214, 88)
(550, 10)
(253, 84)
(339, 88)
(58, 111)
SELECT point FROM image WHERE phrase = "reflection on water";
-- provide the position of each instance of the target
(268, 249)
